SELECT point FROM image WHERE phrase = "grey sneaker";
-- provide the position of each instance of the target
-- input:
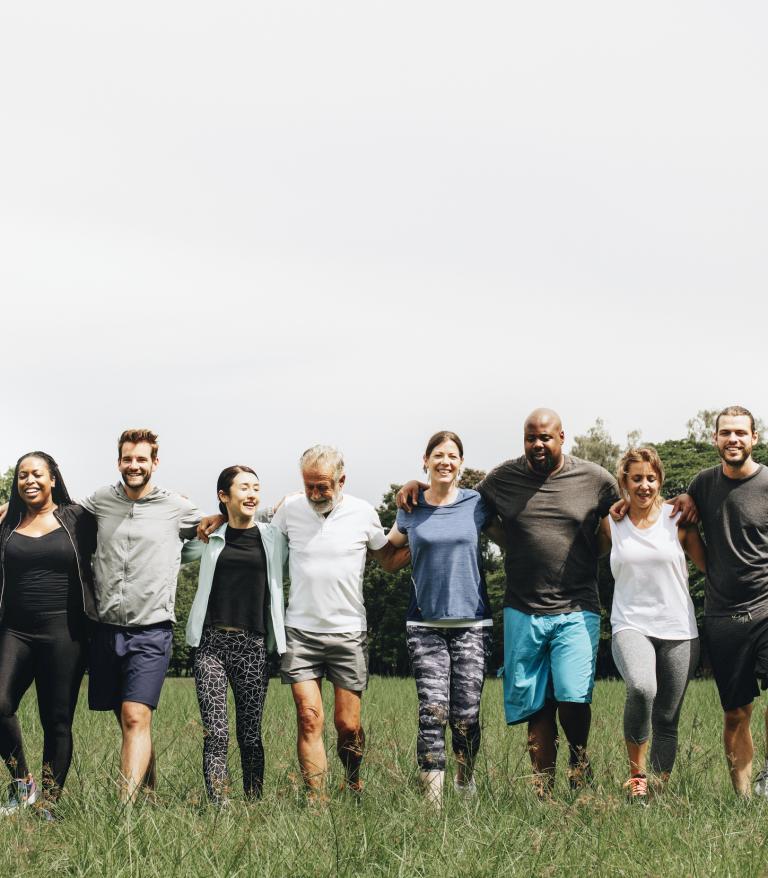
(465, 790)
(20, 794)
(761, 783)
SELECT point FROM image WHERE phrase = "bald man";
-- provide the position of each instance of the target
(550, 505)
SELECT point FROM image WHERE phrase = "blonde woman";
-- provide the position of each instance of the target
(655, 639)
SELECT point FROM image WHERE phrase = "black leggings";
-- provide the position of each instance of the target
(53, 656)
(239, 658)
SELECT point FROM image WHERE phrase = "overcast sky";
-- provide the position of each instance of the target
(257, 226)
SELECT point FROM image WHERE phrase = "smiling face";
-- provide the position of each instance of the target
(136, 466)
(734, 439)
(642, 484)
(443, 463)
(242, 500)
(321, 488)
(543, 442)
(35, 483)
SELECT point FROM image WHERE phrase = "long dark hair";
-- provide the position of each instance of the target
(16, 505)
(226, 477)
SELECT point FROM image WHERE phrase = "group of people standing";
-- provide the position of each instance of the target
(92, 583)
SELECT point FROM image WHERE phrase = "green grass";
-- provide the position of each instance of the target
(696, 828)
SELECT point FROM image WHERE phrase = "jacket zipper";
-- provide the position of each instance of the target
(123, 608)
(2, 563)
(77, 556)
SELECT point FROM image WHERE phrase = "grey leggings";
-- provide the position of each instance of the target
(449, 666)
(656, 673)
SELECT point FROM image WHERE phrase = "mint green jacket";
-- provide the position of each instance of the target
(276, 551)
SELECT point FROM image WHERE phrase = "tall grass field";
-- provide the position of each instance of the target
(695, 828)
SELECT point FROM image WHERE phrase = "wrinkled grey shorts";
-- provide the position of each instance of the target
(340, 657)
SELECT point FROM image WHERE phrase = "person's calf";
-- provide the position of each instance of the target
(543, 741)
(465, 738)
(350, 747)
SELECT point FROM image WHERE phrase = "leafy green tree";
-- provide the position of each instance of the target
(186, 585)
(598, 446)
(6, 480)
(386, 598)
(701, 426)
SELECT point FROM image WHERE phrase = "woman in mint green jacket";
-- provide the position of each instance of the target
(236, 618)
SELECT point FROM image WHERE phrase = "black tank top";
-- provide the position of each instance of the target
(239, 589)
(40, 577)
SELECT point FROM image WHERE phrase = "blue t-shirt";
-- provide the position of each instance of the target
(448, 580)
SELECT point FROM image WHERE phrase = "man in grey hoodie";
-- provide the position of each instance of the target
(141, 529)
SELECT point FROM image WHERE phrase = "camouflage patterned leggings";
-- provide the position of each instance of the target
(449, 665)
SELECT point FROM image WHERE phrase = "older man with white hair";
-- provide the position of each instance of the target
(329, 535)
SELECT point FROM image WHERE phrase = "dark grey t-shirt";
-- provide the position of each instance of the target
(550, 525)
(734, 514)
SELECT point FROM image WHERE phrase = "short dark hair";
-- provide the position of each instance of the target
(226, 477)
(138, 434)
(16, 504)
(735, 411)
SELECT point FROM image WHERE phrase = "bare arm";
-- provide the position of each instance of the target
(397, 538)
(390, 557)
(604, 541)
(693, 546)
(408, 495)
(495, 532)
(689, 512)
(208, 525)
(618, 510)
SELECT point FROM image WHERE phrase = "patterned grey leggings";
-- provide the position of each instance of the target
(238, 658)
(449, 665)
(656, 673)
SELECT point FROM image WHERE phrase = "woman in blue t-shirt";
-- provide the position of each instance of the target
(449, 618)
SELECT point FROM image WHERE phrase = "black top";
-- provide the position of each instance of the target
(239, 589)
(550, 524)
(734, 514)
(41, 577)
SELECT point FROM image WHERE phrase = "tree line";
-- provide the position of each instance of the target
(387, 594)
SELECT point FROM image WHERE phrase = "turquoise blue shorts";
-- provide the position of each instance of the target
(547, 658)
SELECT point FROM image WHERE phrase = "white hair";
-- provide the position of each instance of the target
(324, 457)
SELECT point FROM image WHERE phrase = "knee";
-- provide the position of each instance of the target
(58, 725)
(641, 693)
(347, 729)
(135, 718)
(216, 736)
(310, 720)
(737, 719)
(435, 715)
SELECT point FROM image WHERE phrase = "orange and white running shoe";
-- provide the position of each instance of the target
(637, 789)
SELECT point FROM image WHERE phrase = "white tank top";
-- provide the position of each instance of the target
(651, 593)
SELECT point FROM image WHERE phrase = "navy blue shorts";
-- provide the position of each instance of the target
(128, 664)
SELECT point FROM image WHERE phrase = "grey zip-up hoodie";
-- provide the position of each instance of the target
(138, 553)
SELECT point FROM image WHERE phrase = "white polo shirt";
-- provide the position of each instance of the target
(327, 560)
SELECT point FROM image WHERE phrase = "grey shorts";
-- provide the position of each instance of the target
(340, 657)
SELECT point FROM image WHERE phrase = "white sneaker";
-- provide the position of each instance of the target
(761, 783)
(20, 794)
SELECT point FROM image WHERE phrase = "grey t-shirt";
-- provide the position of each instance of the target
(550, 524)
(734, 514)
